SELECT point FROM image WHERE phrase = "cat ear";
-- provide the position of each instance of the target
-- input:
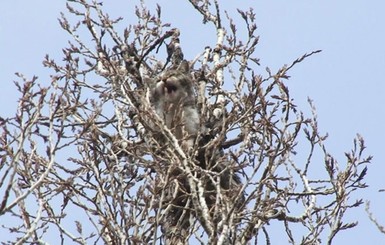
(184, 67)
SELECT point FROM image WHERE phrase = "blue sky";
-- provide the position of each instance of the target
(345, 81)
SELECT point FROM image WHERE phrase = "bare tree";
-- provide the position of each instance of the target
(82, 158)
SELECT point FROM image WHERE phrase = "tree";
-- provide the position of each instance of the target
(87, 143)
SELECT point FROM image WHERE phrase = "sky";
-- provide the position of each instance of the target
(345, 80)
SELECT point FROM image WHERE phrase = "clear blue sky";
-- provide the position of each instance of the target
(345, 81)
